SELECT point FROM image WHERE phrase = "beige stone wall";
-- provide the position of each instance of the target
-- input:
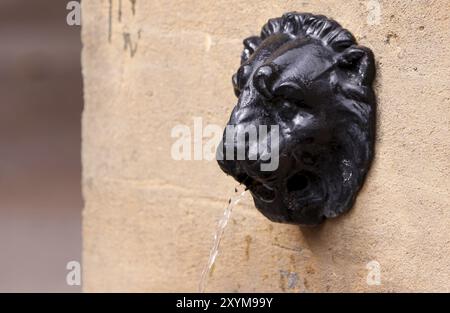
(148, 219)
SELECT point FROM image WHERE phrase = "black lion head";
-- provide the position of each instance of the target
(306, 74)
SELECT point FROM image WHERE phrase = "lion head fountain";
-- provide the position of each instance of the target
(307, 76)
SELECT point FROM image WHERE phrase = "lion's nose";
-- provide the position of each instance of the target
(262, 80)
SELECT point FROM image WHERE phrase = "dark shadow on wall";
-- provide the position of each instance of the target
(40, 167)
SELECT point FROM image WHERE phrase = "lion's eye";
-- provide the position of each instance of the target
(241, 77)
(291, 93)
(298, 103)
(237, 90)
(301, 104)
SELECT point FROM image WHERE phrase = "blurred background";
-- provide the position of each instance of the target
(40, 168)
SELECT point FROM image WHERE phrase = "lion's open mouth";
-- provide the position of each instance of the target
(266, 192)
(297, 182)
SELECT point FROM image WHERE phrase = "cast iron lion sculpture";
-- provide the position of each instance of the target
(306, 74)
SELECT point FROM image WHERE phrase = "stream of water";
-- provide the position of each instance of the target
(239, 192)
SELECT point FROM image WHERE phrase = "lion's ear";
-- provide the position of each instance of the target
(359, 60)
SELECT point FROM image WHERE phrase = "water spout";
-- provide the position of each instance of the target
(239, 192)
